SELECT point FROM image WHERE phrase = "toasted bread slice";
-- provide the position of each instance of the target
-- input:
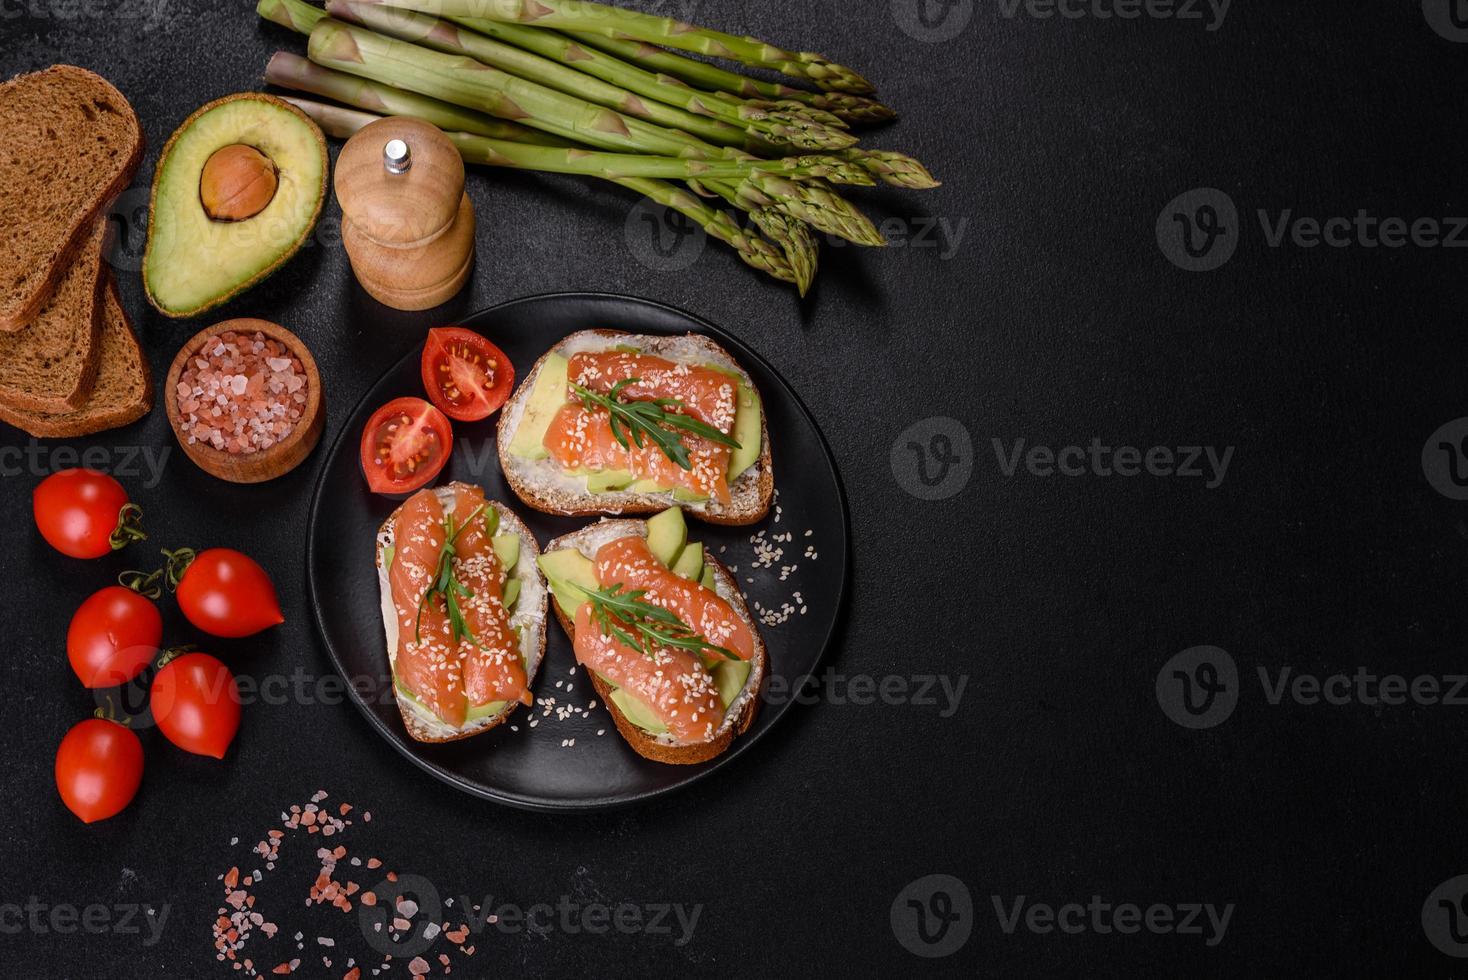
(529, 618)
(123, 392)
(72, 143)
(51, 365)
(541, 483)
(741, 711)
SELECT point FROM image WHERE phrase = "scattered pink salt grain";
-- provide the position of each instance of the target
(237, 923)
(241, 393)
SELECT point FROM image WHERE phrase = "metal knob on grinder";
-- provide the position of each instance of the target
(407, 225)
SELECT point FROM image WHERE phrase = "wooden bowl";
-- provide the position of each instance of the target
(265, 464)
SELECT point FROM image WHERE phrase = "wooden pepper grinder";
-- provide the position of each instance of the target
(407, 225)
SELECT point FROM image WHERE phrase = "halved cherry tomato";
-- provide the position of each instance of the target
(404, 446)
(84, 513)
(113, 636)
(99, 766)
(465, 375)
(224, 592)
(196, 704)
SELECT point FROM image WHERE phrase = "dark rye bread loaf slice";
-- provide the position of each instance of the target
(71, 144)
(51, 365)
(123, 392)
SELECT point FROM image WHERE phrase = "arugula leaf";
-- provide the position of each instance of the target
(651, 420)
(639, 624)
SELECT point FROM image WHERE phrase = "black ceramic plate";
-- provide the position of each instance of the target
(530, 767)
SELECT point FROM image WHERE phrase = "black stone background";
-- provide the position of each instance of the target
(1054, 318)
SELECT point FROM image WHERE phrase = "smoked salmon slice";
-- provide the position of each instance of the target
(628, 561)
(581, 439)
(493, 668)
(708, 395)
(672, 683)
(447, 675)
(427, 662)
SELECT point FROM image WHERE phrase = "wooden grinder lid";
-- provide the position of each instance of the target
(399, 180)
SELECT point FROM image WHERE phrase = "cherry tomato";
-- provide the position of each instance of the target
(466, 376)
(84, 513)
(113, 636)
(224, 592)
(99, 766)
(404, 446)
(196, 704)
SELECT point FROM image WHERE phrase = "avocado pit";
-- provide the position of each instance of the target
(237, 182)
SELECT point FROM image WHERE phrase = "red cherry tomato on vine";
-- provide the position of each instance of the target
(224, 592)
(113, 635)
(99, 766)
(404, 446)
(196, 704)
(466, 376)
(84, 513)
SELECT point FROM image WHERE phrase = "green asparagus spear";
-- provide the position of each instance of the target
(597, 18)
(294, 72)
(851, 108)
(299, 17)
(782, 125)
(473, 84)
(897, 169)
(443, 36)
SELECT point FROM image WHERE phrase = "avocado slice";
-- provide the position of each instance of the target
(707, 579)
(491, 520)
(388, 554)
(690, 561)
(512, 592)
(570, 574)
(729, 676)
(608, 480)
(647, 486)
(637, 712)
(546, 399)
(237, 190)
(747, 432)
(507, 549)
(666, 534)
(478, 712)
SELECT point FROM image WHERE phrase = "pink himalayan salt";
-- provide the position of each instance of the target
(241, 393)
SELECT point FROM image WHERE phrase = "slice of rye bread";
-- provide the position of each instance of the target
(741, 711)
(51, 365)
(529, 614)
(72, 143)
(123, 392)
(541, 483)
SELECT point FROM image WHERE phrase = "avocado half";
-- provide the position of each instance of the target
(195, 262)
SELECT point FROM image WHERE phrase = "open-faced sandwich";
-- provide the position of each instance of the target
(664, 632)
(617, 423)
(463, 605)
